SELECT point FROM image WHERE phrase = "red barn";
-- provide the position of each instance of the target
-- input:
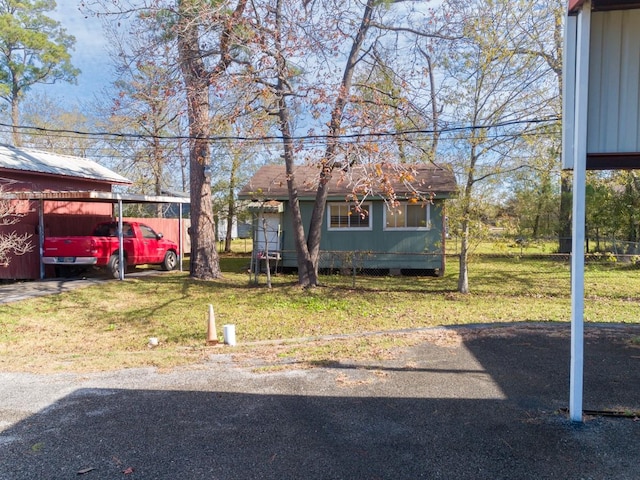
(66, 178)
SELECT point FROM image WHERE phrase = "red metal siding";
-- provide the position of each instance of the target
(68, 218)
(169, 229)
(60, 218)
(28, 266)
(63, 225)
(15, 181)
(23, 266)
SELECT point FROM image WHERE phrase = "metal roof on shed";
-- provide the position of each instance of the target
(46, 163)
(92, 196)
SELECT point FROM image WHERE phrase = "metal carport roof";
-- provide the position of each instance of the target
(98, 197)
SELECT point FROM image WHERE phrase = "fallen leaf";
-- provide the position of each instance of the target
(37, 447)
(128, 471)
(85, 470)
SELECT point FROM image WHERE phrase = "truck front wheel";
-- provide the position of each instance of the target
(114, 265)
(170, 261)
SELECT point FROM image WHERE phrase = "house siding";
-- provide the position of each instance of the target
(370, 248)
(377, 248)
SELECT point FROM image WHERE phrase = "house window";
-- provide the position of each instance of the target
(408, 216)
(344, 215)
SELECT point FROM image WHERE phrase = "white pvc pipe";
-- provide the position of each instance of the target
(229, 332)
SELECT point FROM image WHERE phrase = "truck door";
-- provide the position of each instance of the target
(129, 243)
(150, 251)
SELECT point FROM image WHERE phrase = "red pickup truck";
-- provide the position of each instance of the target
(141, 245)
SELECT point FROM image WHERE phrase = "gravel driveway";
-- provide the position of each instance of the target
(483, 403)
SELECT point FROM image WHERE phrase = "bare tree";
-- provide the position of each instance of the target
(542, 30)
(204, 258)
(306, 58)
(200, 33)
(499, 95)
(11, 242)
(51, 123)
(330, 74)
(147, 105)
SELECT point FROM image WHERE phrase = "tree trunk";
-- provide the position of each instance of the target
(537, 218)
(158, 172)
(317, 218)
(564, 240)
(307, 273)
(463, 275)
(228, 237)
(319, 206)
(231, 205)
(15, 120)
(204, 257)
(566, 196)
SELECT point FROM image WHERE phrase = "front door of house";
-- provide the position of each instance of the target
(268, 233)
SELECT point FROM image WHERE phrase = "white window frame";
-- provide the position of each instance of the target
(349, 228)
(404, 205)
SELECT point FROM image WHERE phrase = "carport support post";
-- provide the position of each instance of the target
(120, 240)
(579, 194)
(577, 297)
(180, 234)
(41, 235)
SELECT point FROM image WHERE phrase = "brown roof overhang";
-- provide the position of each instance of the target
(270, 182)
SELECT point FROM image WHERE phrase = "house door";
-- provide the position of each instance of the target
(267, 235)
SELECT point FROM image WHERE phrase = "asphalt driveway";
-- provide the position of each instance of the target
(22, 290)
(483, 403)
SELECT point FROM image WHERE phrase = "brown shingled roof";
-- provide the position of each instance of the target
(270, 181)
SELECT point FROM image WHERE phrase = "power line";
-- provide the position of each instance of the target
(279, 138)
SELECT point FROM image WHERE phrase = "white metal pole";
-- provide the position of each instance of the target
(569, 91)
(578, 237)
(180, 234)
(41, 235)
(120, 240)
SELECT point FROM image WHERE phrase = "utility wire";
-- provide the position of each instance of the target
(276, 138)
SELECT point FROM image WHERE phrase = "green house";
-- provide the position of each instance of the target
(371, 233)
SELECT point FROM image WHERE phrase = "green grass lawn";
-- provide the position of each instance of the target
(108, 326)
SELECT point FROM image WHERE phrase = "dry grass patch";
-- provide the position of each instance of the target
(108, 326)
